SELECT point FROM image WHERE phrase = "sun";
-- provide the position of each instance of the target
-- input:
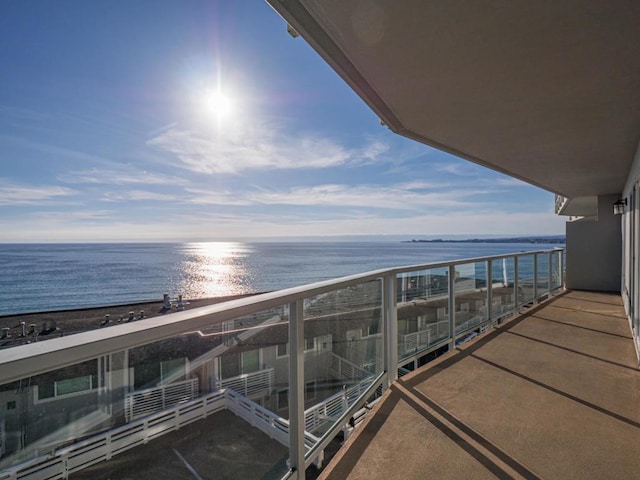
(218, 104)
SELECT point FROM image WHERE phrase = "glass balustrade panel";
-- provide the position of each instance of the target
(557, 276)
(344, 352)
(525, 279)
(502, 287)
(224, 381)
(542, 280)
(470, 295)
(423, 310)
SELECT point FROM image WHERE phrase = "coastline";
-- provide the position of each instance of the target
(39, 326)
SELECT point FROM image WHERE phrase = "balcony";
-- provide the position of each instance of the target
(550, 394)
(298, 370)
(585, 206)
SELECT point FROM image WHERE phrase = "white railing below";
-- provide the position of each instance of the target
(145, 402)
(345, 369)
(251, 385)
(470, 323)
(415, 341)
(330, 409)
(65, 461)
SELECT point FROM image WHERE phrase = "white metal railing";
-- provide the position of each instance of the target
(27, 361)
(411, 342)
(65, 461)
(345, 369)
(251, 385)
(330, 409)
(151, 400)
(273, 425)
(470, 323)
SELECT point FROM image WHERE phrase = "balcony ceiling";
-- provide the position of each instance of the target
(548, 92)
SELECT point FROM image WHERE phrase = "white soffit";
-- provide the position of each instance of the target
(545, 91)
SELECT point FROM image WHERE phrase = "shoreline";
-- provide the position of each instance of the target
(45, 325)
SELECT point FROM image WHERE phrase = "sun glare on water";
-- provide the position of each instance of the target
(213, 269)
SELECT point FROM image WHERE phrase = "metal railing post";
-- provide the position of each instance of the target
(516, 301)
(535, 278)
(489, 289)
(390, 327)
(561, 255)
(452, 307)
(550, 274)
(296, 389)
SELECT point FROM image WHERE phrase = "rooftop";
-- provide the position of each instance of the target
(551, 394)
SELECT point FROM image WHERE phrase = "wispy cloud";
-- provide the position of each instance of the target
(368, 196)
(163, 129)
(107, 225)
(373, 150)
(21, 114)
(217, 197)
(140, 195)
(258, 146)
(510, 182)
(66, 153)
(460, 169)
(421, 185)
(14, 194)
(119, 175)
(73, 216)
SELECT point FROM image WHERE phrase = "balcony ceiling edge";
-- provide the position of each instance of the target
(544, 93)
(580, 207)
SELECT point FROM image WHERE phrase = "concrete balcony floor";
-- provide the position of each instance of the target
(554, 393)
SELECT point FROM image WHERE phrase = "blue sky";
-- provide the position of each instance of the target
(112, 129)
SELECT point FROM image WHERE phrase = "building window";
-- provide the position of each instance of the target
(310, 390)
(147, 375)
(283, 399)
(251, 361)
(371, 329)
(282, 350)
(309, 344)
(173, 370)
(67, 387)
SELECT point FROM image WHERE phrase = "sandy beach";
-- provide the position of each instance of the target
(41, 326)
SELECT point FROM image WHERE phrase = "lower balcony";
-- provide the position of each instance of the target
(554, 393)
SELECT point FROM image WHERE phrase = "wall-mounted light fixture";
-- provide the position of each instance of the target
(618, 206)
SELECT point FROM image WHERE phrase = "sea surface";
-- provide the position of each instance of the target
(44, 277)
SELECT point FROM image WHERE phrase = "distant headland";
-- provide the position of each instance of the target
(552, 239)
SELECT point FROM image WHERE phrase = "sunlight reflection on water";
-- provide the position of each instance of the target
(212, 269)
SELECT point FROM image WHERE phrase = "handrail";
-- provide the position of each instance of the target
(28, 360)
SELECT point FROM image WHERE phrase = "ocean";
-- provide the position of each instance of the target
(45, 277)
